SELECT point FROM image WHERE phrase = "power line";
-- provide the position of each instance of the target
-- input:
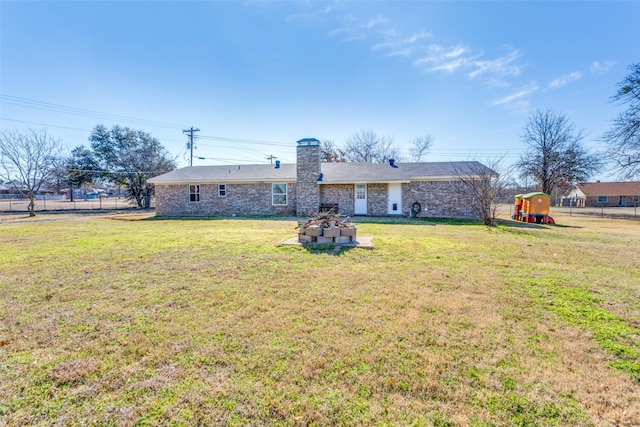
(220, 159)
(44, 124)
(66, 127)
(59, 108)
(252, 151)
(271, 158)
(247, 141)
(190, 132)
(117, 172)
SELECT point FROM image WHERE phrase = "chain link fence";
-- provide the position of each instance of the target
(13, 203)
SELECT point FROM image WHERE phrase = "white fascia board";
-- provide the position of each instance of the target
(435, 178)
(221, 181)
(363, 182)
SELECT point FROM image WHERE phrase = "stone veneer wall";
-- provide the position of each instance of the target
(437, 198)
(342, 194)
(241, 199)
(307, 172)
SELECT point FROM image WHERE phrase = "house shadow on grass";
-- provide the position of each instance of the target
(426, 221)
(335, 250)
(531, 226)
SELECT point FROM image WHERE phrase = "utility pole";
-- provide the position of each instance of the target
(190, 133)
(271, 158)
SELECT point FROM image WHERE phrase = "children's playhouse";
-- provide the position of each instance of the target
(533, 207)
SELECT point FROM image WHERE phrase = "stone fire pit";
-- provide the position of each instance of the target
(327, 229)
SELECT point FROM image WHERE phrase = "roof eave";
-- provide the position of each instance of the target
(435, 178)
(355, 181)
(223, 181)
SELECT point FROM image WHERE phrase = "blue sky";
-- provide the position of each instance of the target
(256, 76)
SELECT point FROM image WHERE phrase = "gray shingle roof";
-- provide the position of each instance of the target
(223, 174)
(333, 173)
(344, 173)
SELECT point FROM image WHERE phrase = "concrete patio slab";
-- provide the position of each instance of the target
(364, 242)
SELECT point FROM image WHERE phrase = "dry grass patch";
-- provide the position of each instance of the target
(211, 322)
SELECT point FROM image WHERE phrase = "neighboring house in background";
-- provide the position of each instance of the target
(310, 186)
(607, 194)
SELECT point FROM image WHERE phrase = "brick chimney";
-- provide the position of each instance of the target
(307, 173)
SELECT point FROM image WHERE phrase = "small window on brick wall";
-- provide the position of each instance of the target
(222, 190)
(279, 194)
(194, 193)
(603, 199)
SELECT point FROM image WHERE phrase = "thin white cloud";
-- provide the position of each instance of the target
(332, 6)
(501, 66)
(309, 12)
(420, 47)
(446, 58)
(352, 29)
(567, 78)
(395, 45)
(378, 20)
(601, 67)
(517, 98)
(462, 58)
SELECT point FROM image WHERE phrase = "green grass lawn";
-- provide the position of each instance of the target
(211, 322)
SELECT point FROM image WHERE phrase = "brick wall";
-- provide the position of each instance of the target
(612, 201)
(437, 198)
(377, 199)
(241, 199)
(342, 194)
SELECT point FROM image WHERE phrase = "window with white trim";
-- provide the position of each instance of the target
(222, 190)
(278, 194)
(194, 193)
(602, 199)
(636, 199)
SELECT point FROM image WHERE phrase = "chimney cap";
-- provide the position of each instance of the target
(308, 141)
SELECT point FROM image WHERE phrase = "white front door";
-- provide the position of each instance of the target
(395, 199)
(360, 207)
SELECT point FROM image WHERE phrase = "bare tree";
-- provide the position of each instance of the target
(30, 158)
(554, 154)
(330, 153)
(368, 146)
(481, 187)
(624, 136)
(420, 146)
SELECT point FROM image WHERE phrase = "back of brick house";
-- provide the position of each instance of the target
(427, 189)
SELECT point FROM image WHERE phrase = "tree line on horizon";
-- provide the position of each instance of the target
(554, 155)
